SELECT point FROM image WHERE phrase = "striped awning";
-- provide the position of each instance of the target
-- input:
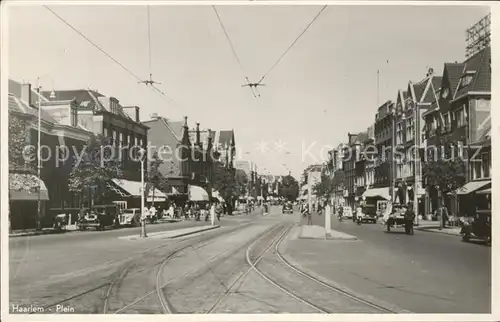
(27, 187)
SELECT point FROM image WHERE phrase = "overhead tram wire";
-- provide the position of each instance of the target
(139, 79)
(248, 83)
(293, 43)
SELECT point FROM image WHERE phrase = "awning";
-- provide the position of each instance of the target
(484, 192)
(377, 192)
(197, 193)
(472, 186)
(216, 194)
(133, 188)
(26, 187)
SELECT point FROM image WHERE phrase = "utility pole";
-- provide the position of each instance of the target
(39, 157)
(143, 217)
(416, 171)
(393, 152)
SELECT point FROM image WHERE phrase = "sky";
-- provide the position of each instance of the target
(325, 87)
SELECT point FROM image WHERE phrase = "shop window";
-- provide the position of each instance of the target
(486, 164)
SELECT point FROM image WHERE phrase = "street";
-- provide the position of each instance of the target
(237, 269)
(426, 272)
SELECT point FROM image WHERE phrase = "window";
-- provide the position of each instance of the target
(74, 117)
(461, 116)
(476, 169)
(466, 79)
(486, 164)
(115, 141)
(105, 132)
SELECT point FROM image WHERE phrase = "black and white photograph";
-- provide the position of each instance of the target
(277, 159)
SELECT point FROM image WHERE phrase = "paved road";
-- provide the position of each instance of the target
(40, 262)
(425, 273)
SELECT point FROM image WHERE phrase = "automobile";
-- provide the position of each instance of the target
(287, 208)
(130, 217)
(100, 218)
(347, 213)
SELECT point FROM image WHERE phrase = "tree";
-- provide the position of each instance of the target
(444, 169)
(155, 179)
(19, 132)
(325, 187)
(225, 183)
(95, 168)
(19, 135)
(289, 188)
(241, 182)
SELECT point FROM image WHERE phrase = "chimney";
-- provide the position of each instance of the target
(155, 116)
(198, 142)
(185, 135)
(209, 144)
(26, 93)
(131, 111)
(137, 116)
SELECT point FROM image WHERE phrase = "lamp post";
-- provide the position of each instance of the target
(39, 157)
(143, 217)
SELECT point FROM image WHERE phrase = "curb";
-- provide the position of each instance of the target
(40, 233)
(160, 235)
(430, 230)
(194, 232)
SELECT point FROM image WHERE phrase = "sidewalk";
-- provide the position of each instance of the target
(318, 232)
(34, 232)
(172, 233)
(434, 227)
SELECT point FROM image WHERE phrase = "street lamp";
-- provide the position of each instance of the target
(142, 154)
(39, 154)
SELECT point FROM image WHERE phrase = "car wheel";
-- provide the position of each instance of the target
(465, 237)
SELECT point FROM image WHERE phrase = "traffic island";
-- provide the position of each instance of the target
(170, 234)
(318, 232)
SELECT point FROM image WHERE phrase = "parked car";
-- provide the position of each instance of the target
(347, 213)
(287, 208)
(100, 218)
(130, 217)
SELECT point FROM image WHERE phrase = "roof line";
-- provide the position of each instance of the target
(170, 129)
(98, 104)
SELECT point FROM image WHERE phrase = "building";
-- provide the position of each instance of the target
(225, 144)
(59, 130)
(438, 124)
(384, 133)
(461, 114)
(470, 111)
(336, 164)
(411, 105)
(250, 170)
(353, 167)
(186, 154)
(104, 115)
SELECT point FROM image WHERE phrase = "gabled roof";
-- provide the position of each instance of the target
(84, 97)
(433, 86)
(453, 71)
(175, 127)
(15, 103)
(226, 138)
(480, 65)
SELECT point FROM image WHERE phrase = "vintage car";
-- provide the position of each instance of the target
(477, 227)
(398, 219)
(100, 218)
(130, 217)
(287, 208)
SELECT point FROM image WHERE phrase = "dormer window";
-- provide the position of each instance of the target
(74, 117)
(467, 78)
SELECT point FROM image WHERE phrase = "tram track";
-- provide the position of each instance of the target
(110, 283)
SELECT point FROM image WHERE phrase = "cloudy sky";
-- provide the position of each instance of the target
(325, 87)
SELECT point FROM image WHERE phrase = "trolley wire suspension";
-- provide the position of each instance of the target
(253, 86)
(130, 72)
(293, 44)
